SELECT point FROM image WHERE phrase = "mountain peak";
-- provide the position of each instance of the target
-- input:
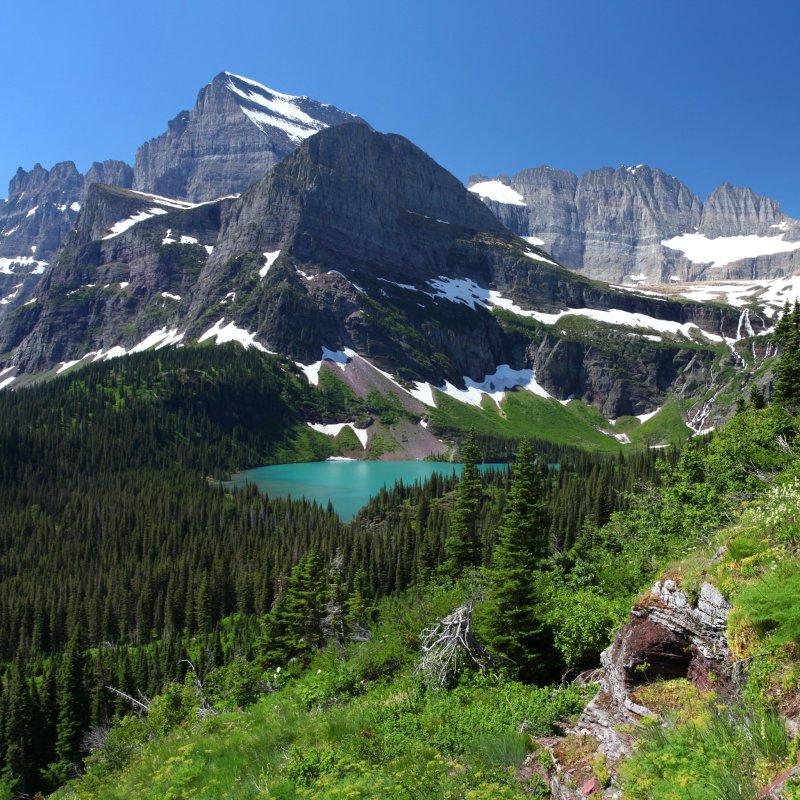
(237, 130)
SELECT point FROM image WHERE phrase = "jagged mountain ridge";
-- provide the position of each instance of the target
(640, 225)
(236, 131)
(358, 245)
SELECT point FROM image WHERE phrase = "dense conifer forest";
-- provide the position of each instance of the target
(131, 581)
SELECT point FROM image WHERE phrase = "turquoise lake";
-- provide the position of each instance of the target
(347, 484)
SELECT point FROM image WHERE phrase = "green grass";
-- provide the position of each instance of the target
(357, 723)
(524, 415)
(666, 427)
(396, 741)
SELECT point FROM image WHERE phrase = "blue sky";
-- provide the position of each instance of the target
(706, 90)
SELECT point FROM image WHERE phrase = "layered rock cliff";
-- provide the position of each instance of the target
(236, 131)
(359, 242)
(640, 225)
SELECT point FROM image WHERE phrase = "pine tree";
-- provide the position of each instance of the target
(73, 704)
(463, 546)
(757, 398)
(293, 629)
(521, 548)
(787, 369)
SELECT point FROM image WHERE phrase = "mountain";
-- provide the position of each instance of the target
(41, 208)
(638, 225)
(359, 249)
(236, 131)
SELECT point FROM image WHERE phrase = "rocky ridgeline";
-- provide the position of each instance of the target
(314, 257)
(236, 131)
(610, 223)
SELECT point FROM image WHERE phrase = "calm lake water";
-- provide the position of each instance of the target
(347, 484)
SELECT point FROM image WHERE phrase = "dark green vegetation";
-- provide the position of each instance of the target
(124, 566)
(121, 559)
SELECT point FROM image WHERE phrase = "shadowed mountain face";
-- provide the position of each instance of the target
(640, 225)
(356, 241)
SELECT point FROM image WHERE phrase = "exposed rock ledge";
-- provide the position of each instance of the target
(670, 635)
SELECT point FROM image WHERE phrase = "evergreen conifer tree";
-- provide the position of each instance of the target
(521, 548)
(787, 370)
(73, 705)
(462, 546)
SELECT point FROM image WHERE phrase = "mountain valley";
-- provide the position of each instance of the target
(606, 607)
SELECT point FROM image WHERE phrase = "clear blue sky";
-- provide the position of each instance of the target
(706, 90)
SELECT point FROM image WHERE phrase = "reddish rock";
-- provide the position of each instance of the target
(591, 787)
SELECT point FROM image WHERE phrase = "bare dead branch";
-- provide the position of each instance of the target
(450, 645)
(139, 706)
(205, 709)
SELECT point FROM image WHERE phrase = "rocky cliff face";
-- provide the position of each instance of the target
(41, 208)
(640, 225)
(355, 242)
(670, 635)
(237, 130)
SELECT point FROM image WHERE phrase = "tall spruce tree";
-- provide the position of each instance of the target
(522, 546)
(73, 704)
(787, 369)
(463, 546)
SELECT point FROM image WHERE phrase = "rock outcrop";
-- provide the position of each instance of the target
(670, 635)
(640, 225)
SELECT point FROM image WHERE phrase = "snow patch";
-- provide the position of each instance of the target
(76, 207)
(65, 365)
(270, 260)
(32, 212)
(459, 290)
(534, 240)
(7, 382)
(407, 286)
(275, 109)
(649, 415)
(230, 333)
(339, 357)
(158, 339)
(495, 385)
(334, 429)
(169, 296)
(424, 393)
(124, 224)
(540, 257)
(724, 250)
(499, 192)
(7, 265)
